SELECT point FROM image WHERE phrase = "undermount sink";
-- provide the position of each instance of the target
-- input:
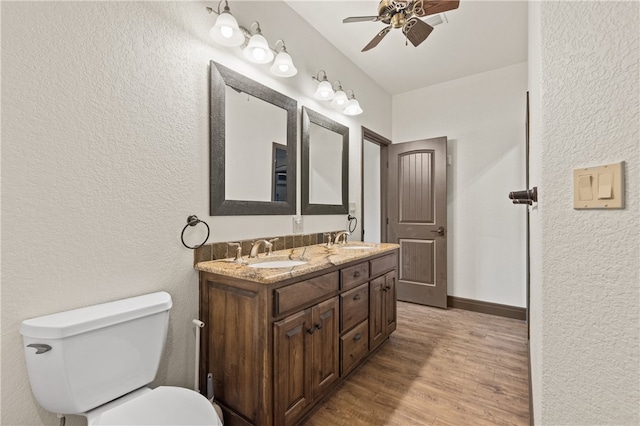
(278, 264)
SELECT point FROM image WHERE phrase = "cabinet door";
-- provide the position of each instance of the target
(292, 367)
(390, 303)
(325, 347)
(376, 312)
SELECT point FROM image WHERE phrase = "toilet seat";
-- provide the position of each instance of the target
(164, 405)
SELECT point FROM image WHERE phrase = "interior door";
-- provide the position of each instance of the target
(417, 211)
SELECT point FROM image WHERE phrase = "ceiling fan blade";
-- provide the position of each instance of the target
(416, 30)
(431, 7)
(377, 39)
(360, 19)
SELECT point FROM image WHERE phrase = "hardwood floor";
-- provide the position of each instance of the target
(440, 367)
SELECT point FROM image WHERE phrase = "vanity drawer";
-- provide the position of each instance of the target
(354, 346)
(383, 264)
(303, 293)
(354, 275)
(354, 306)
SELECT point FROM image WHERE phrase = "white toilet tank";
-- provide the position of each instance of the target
(97, 353)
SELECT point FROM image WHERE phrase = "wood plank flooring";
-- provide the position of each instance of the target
(440, 367)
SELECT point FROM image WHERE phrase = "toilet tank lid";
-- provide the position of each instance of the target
(77, 321)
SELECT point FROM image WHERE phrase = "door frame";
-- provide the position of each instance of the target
(371, 136)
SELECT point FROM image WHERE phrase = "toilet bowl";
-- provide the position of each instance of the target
(98, 361)
(164, 405)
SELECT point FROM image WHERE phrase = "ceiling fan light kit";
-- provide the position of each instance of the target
(406, 14)
(227, 32)
(339, 99)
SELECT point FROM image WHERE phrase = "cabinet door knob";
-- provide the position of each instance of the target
(357, 296)
(319, 326)
(357, 337)
(311, 330)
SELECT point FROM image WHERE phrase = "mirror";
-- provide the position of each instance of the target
(253, 147)
(325, 165)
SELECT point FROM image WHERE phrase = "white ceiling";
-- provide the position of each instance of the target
(480, 36)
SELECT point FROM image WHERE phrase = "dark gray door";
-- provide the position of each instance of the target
(417, 212)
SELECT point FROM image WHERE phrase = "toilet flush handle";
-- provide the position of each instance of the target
(41, 347)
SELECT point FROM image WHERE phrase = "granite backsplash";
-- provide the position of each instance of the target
(220, 250)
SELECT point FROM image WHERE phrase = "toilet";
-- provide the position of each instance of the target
(98, 361)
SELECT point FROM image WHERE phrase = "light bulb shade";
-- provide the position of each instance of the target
(226, 31)
(324, 91)
(353, 108)
(258, 50)
(339, 101)
(283, 65)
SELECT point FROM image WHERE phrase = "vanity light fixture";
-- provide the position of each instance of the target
(340, 99)
(324, 92)
(353, 107)
(257, 50)
(283, 65)
(226, 30)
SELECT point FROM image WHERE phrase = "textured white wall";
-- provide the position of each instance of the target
(483, 117)
(105, 142)
(585, 317)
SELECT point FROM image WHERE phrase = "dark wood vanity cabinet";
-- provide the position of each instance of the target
(305, 359)
(276, 350)
(382, 312)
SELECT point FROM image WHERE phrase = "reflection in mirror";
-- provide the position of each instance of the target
(325, 161)
(325, 166)
(279, 172)
(248, 171)
(253, 147)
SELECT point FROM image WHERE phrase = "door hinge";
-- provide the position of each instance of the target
(387, 221)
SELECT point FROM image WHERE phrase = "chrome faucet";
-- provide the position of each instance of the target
(341, 234)
(328, 235)
(238, 247)
(256, 245)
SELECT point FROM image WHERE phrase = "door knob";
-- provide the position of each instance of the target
(439, 231)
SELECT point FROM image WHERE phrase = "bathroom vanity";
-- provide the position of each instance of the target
(279, 340)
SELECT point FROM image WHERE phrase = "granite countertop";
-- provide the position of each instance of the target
(318, 257)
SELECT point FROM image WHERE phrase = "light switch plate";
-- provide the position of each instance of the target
(600, 187)
(297, 225)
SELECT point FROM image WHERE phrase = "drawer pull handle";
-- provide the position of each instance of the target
(319, 326)
(357, 297)
(311, 330)
(357, 337)
(356, 274)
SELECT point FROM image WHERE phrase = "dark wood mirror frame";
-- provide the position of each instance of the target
(222, 76)
(308, 117)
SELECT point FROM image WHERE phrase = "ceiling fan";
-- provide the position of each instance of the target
(405, 14)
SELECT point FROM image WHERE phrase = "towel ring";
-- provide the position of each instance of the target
(352, 220)
(193, 221)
